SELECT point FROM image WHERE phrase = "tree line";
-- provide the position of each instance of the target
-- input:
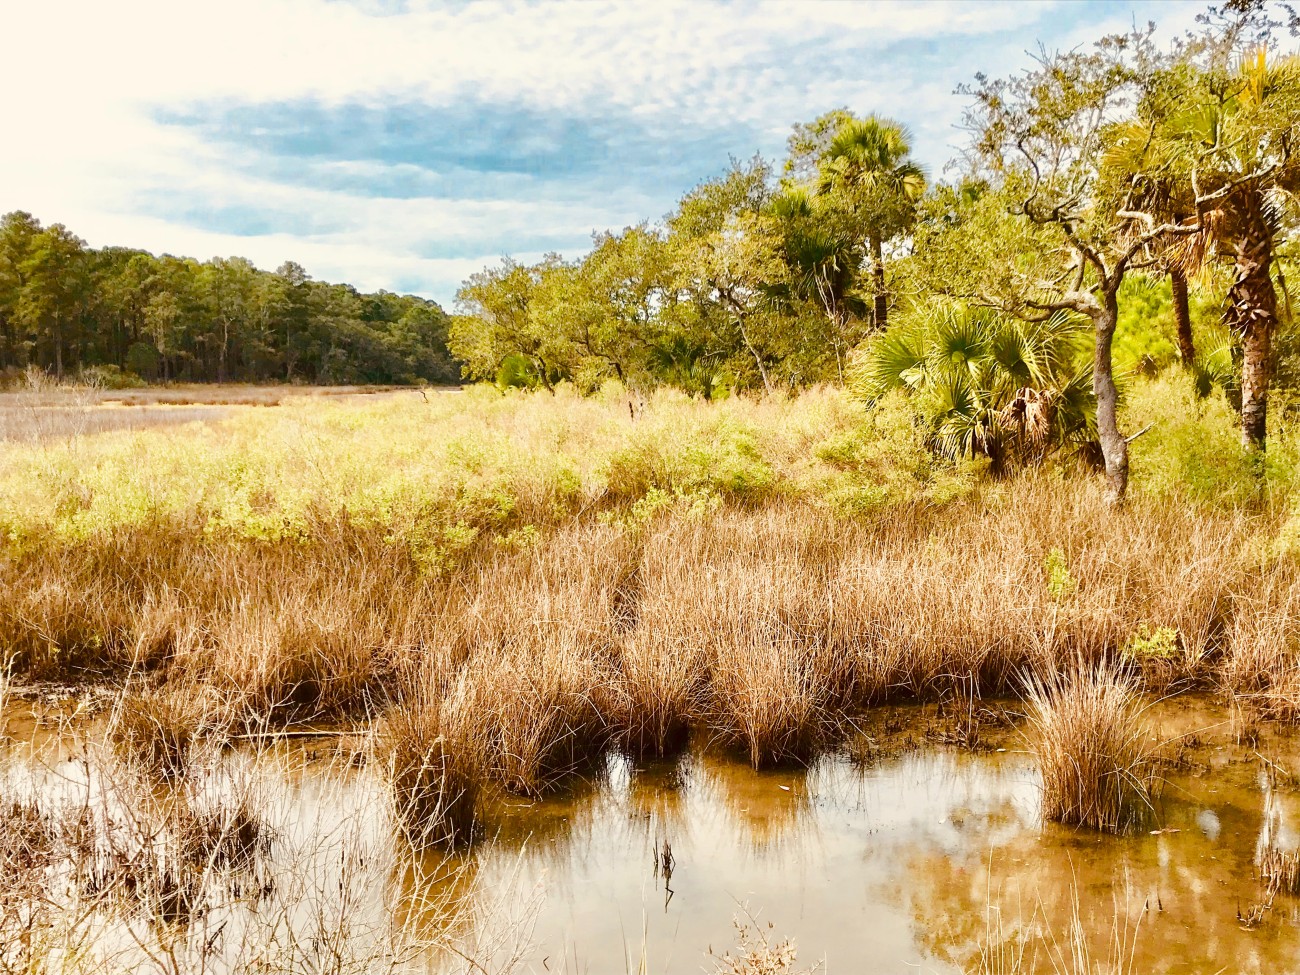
(993, 298)
(121, 313)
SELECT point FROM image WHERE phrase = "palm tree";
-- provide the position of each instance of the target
(1219, 153)
(989, 384)
(822, 265)
(868, 167)
(1136, 165)
(1261, 122)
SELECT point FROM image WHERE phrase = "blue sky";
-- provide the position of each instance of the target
(404, 145)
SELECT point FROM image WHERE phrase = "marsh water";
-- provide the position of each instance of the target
(903, 852)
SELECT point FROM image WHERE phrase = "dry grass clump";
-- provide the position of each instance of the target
(431, 751)
(1093, 749)
(766, 697)
(655, 693)
(293, 670)
(1280, 870)
(545, 717)
(741, 601)
(758, 952)
(26, 844)
(156, 729)
(1263, 642)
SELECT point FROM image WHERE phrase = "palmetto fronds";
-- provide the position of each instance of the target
(987, 384)
(871, 154)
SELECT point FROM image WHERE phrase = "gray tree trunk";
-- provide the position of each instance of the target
(1114, 448)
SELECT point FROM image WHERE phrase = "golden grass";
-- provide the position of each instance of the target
(751, 570)
(758, 625)
(1094, 751)
(545, 716)
(156, 730)
(427, 751)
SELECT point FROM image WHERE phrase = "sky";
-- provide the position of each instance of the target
(404, 145)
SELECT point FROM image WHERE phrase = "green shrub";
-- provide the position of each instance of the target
(109, 377)
(1193, 445)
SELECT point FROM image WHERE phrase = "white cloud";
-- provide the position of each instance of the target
(85, 146)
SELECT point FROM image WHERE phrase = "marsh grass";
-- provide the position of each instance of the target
(546, 718)
(156, 729)
(1280, 870)
(768, 700)
(1094, 751)
(655, 693)
(430, 750)
(753, 570)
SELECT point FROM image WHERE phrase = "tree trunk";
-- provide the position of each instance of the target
(1252, 309)
(758, 359)
(880, 316)
(225, 346)
(1182, 316)
(1114, 448)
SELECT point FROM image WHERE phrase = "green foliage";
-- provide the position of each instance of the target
(1193, 445)
(1061, 585)
(1153, 643)
(1145, 340)
(984, 383)
(109, 377)
(719, 456)
(882, 460)
(517, 372)
(142, 360)
(741, 287)
(66, 308)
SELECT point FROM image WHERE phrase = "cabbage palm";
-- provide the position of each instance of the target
(1139, 166)
(987, 383)
(822, 264)
(1218, 151)
(868, 166)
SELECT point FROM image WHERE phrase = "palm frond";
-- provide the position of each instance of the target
(895, 360)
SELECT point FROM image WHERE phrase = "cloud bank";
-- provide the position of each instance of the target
(403, 145)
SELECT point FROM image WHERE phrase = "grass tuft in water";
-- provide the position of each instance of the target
(155, 730)
(1093, 749)
(1280, 870)
(431, 752)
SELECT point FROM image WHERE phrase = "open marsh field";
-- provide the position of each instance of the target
(539, 682)
(45, 412)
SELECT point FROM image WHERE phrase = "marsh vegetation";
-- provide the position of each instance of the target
(297, 854)
(846, 545)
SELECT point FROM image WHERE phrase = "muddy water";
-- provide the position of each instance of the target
(900, 854)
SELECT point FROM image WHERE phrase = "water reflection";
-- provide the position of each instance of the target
(901, 865)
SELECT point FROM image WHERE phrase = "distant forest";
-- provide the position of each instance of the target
(121, 313)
